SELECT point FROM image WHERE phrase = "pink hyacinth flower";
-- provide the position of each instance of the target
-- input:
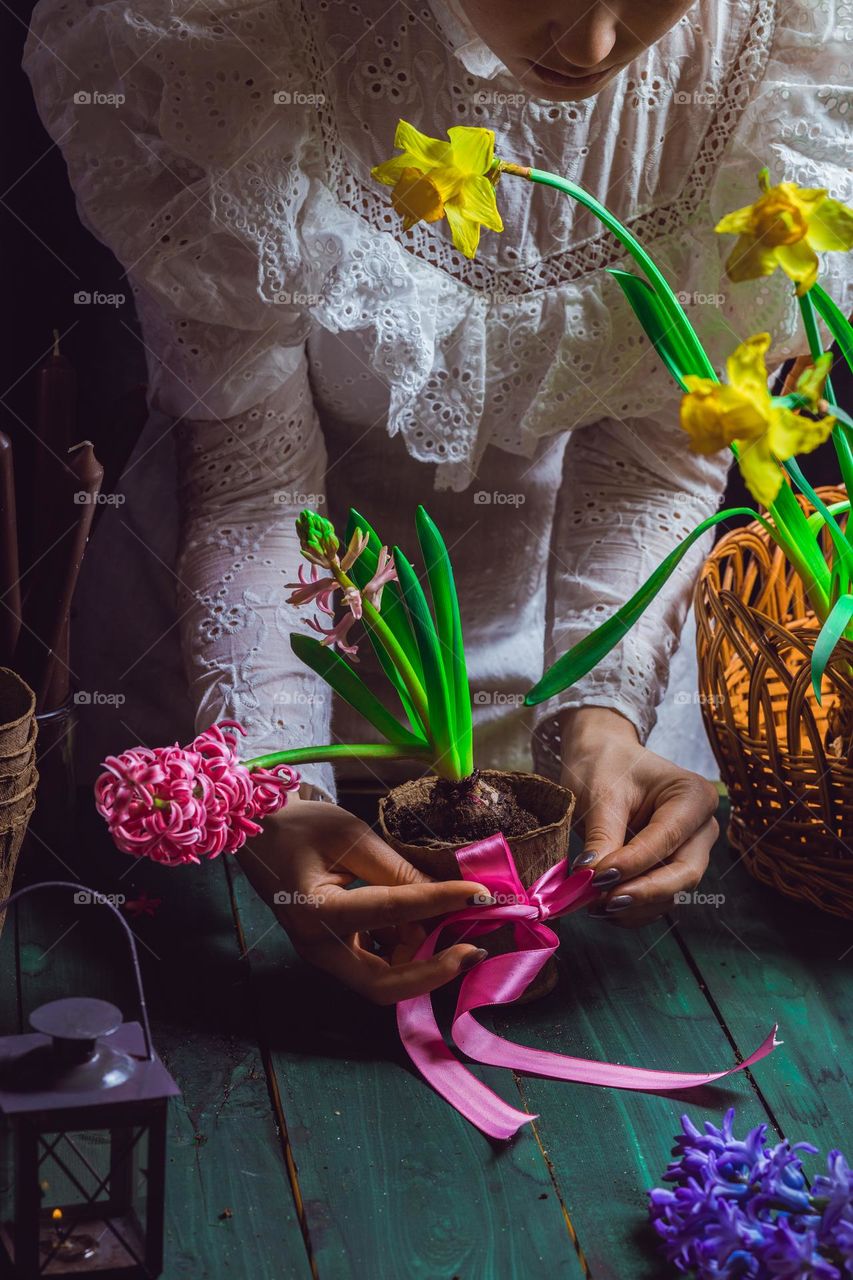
(336, 635)
(312, 588)
(181, 804)
(385, 572)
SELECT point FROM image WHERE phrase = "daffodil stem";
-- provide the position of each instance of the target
(657, 279)
(840, 433)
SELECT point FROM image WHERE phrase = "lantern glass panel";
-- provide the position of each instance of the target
(94, 1187)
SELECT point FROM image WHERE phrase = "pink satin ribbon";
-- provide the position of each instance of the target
(502, 978)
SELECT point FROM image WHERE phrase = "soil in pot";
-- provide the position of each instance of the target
(459, 812)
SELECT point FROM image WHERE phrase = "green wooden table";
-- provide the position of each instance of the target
(303, 1143)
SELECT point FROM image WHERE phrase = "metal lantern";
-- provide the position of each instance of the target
(83, 1102)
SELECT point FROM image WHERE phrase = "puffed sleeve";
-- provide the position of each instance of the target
(117, 87)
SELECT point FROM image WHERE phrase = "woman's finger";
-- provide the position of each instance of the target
(371, 859)
(604, 826)
(684, 811)
(385, 984)
(635, 901)
(347, 911)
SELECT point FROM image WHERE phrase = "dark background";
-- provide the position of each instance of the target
(47, 256)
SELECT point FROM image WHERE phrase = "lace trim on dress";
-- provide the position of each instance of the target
(601, 249)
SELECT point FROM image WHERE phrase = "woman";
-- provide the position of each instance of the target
(310, 354)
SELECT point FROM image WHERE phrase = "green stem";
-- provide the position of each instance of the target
(339, 751)
(840, 435)
(662, 288)
(373, 618)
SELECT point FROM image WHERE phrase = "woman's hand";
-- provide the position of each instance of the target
(301, 865)
(648, 826)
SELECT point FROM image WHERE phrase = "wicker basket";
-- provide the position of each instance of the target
(791, 796)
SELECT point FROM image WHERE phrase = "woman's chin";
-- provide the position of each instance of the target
(554, 87)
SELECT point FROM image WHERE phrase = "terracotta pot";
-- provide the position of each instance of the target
(784, 757)
(17, 708)
(534, 852)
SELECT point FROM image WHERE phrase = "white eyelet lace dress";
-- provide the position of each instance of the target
(316, 356)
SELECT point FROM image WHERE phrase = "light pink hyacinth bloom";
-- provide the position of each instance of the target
(320, 590)
(181, 804)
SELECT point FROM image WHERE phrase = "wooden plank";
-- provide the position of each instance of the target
(395, 1182)
(763, 954)
(624, 996)
(230, 1208)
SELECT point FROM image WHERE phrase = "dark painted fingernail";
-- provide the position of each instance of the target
(619, 903)
(473, 957)
(606, 877)
(481, 900)
(584, 859)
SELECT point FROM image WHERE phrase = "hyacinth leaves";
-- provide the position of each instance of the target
(419, 648)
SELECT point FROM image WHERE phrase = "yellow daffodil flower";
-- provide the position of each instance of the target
(432, 179)
(742, 412)
(783, 229)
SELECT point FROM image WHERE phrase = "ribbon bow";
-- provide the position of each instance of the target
(502, 978)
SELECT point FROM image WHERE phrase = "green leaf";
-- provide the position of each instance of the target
(394, 613)
(816, 520)
(448, 621)
(835, 320)
(588, 652)
(830, 633)
(345, 681)
(843, 549)
(660, 330)
(436, 682)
